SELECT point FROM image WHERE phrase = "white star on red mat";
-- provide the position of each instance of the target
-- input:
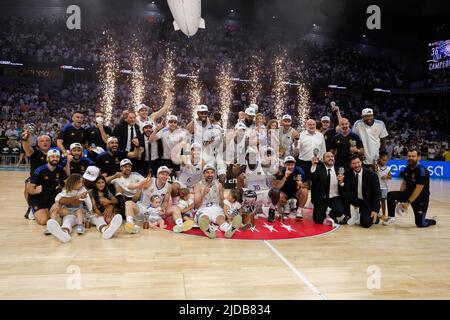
(253, 229)
(214, 227)
(271, 228)
(287, 227)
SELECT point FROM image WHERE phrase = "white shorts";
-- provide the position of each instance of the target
(69, 221)
(211, 212)
(142, 209)
(263, 197)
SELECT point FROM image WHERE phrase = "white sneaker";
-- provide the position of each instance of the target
(31, 215)
(299, 214)
(329, 222)
(389, 221)
(354, 219)
(400, 211)
(55, 229)
(115, 224)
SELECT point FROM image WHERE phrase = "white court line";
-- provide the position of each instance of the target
(297, 272)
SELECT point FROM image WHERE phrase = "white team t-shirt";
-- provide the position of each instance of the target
(125, 182)
(370, 137)
(233, 208)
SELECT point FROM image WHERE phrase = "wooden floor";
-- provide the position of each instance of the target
(413, 263)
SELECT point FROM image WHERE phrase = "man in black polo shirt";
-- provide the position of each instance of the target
(327, 131)
(37, 156)
(46, 182)
(414, 192)
(109, 161)
(75, 162)
(346, 144)
(71, 133)
(99, 133)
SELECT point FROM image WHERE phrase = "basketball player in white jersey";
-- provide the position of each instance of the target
(259, 179)
(161, 187)
(287, 135)
(208, 199)
(191, 167)
(143, 116)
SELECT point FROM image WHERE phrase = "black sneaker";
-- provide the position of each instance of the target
(271, 217)
(344, 221)
(26, 216)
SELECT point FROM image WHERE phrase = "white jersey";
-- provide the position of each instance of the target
(382, 172)
(212, 199)
(286, 140)
(123, 182)
(233, 208)
(152, 191)
(370, 137)
(202, 133)
(256, 180)
(170, 140)
(191, 174)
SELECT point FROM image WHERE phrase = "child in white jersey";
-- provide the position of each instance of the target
(232, 206)
(384, 174)
(154, 212)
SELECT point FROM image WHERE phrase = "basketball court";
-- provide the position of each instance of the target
(383, 262)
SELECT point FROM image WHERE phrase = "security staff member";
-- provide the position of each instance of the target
(414, 192)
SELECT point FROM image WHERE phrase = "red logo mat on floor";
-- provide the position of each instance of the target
(263, 230)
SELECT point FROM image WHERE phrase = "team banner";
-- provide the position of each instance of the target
(437, 169)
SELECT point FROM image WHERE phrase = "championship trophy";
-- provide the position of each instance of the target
(352, 144)
(316, 152)
(87, 220)
(333, 106)
(341, 171)
(248, 207)
(146, 224)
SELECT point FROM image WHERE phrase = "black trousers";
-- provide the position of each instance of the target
(366, 220)
(419, 206)
(306, 166)
(320, 209)
(121, 199)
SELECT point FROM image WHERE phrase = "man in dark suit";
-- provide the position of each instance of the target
(361, 189)
(325, 190)
(126, 132)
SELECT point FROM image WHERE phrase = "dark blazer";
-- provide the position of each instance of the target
(319, 188)
(370, 188)
(121, 132)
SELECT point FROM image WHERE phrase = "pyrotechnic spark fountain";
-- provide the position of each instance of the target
(168, 76)
(225, 88)
(279, 87)
(194, 92)
(137, 76)
(107, 77)
(255, 78)
(303, 106)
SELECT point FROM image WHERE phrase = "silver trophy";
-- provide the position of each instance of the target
(341, 171)
(316, 152)
(333, 106)
(30, 127)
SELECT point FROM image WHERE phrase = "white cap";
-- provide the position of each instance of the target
(325, 118)
(98, 150)
(240, 125)
(202, 108)
(196, 145)
(147, 123)
(163, 169)
(250, 111)
(53, 152)
(142, 106)
(254, 106)
(209, 166)
(92, 173)
(172, 118)
(289, 159)
(125, 161)
(367, 112)
(286, 117)
(111, 139)
(75, 145)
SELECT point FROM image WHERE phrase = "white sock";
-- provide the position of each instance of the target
(130, 219)
(179, 222)
(225, 226)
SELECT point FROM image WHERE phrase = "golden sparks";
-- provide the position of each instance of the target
(303, 106)
(108, 77)
(167, 80)
(279, 90)
(255, 78)
(225, 88)
(137, 75)
(194, 92)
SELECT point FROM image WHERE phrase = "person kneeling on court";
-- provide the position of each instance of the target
(209, 199)
(361, 189)
(325, 190)
(414, 192)
(75, 215)
(292, 194)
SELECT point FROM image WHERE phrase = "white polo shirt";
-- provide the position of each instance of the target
(308, 142)
(370, 137)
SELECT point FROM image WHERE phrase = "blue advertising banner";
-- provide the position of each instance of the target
(437, 169)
